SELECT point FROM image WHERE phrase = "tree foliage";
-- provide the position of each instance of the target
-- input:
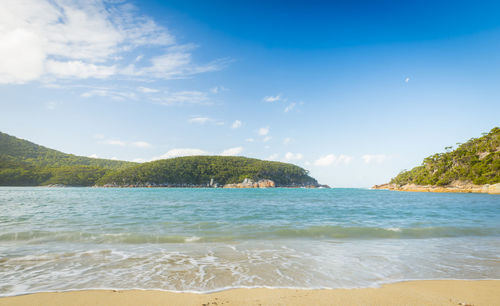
(23, 163)
(476, 161)
(200, 170)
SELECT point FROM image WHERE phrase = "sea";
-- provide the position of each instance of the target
(205, 240)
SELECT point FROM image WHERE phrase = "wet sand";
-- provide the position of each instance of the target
(433, 292)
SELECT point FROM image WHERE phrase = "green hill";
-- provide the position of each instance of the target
(200, 170)
(477, 161)
(23, 163)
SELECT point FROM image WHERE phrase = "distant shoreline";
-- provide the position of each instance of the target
(461, 188)
(423, 292)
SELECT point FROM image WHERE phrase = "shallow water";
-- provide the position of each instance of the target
(210, 239)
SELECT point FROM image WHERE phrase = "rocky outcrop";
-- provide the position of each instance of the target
(249, 183)
(454, 187)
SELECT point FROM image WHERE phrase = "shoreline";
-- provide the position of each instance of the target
(419, 292)
(465, 188)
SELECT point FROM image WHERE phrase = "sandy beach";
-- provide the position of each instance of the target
(435, 292)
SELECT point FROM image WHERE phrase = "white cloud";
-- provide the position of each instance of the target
(267, 138)
(263, 131)
(53, 39)
(249, 140)
(78, 69)
(217, 89)
(199, 120)
(114, 158)
(290, 107)
(271, 99)
(287, 140)
(374, 158)
(138, 160)
(407, 80)
(332, 159)
(236, 124)
(273, 156)
(181, 152)
(182, 97)
(232, 151)
(147, 90)
(21, 54)
(106, 92)
(114, 142)
(51, 105)
(289, 156)
(141, 144)
(99, 136)
(93, 156)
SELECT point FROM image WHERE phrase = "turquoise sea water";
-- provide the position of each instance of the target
(211, 239)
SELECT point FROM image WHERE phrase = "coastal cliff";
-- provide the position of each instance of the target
(473, 166)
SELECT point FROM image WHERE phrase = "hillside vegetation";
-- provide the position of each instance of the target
(477, 161)
(200, 170)
(23, 163)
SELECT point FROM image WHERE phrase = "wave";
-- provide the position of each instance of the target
(253, 233)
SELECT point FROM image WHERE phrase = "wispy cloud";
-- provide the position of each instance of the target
(290, 107)
(267, 138)
(332, 159)
(111, 93)
(44, 39)
(114, 142)
(271, 99)
(51, 105)
(232, 151)
(182, 98)
(121, 143)
(273, 156)
(178, 152)
(374, 158)
(289, 156)
(141, 144)
(263, 131)
(287, 140)
(236, 124)
(218, 89)
(147, 89)
(200, 120)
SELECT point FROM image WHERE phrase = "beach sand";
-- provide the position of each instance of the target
(433, 292)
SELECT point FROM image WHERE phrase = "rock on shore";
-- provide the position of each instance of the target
(248, 183)
(454, 187)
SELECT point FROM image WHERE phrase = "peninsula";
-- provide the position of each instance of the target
(473, 166)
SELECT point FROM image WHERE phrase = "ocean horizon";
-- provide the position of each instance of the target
(205, 240)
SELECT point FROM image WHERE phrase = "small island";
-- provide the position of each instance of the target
(473, 166)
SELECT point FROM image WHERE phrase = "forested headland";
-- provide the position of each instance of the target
(23, 163)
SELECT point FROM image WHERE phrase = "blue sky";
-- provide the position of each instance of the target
(353, 91)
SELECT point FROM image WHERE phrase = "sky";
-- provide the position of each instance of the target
(353, 91)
